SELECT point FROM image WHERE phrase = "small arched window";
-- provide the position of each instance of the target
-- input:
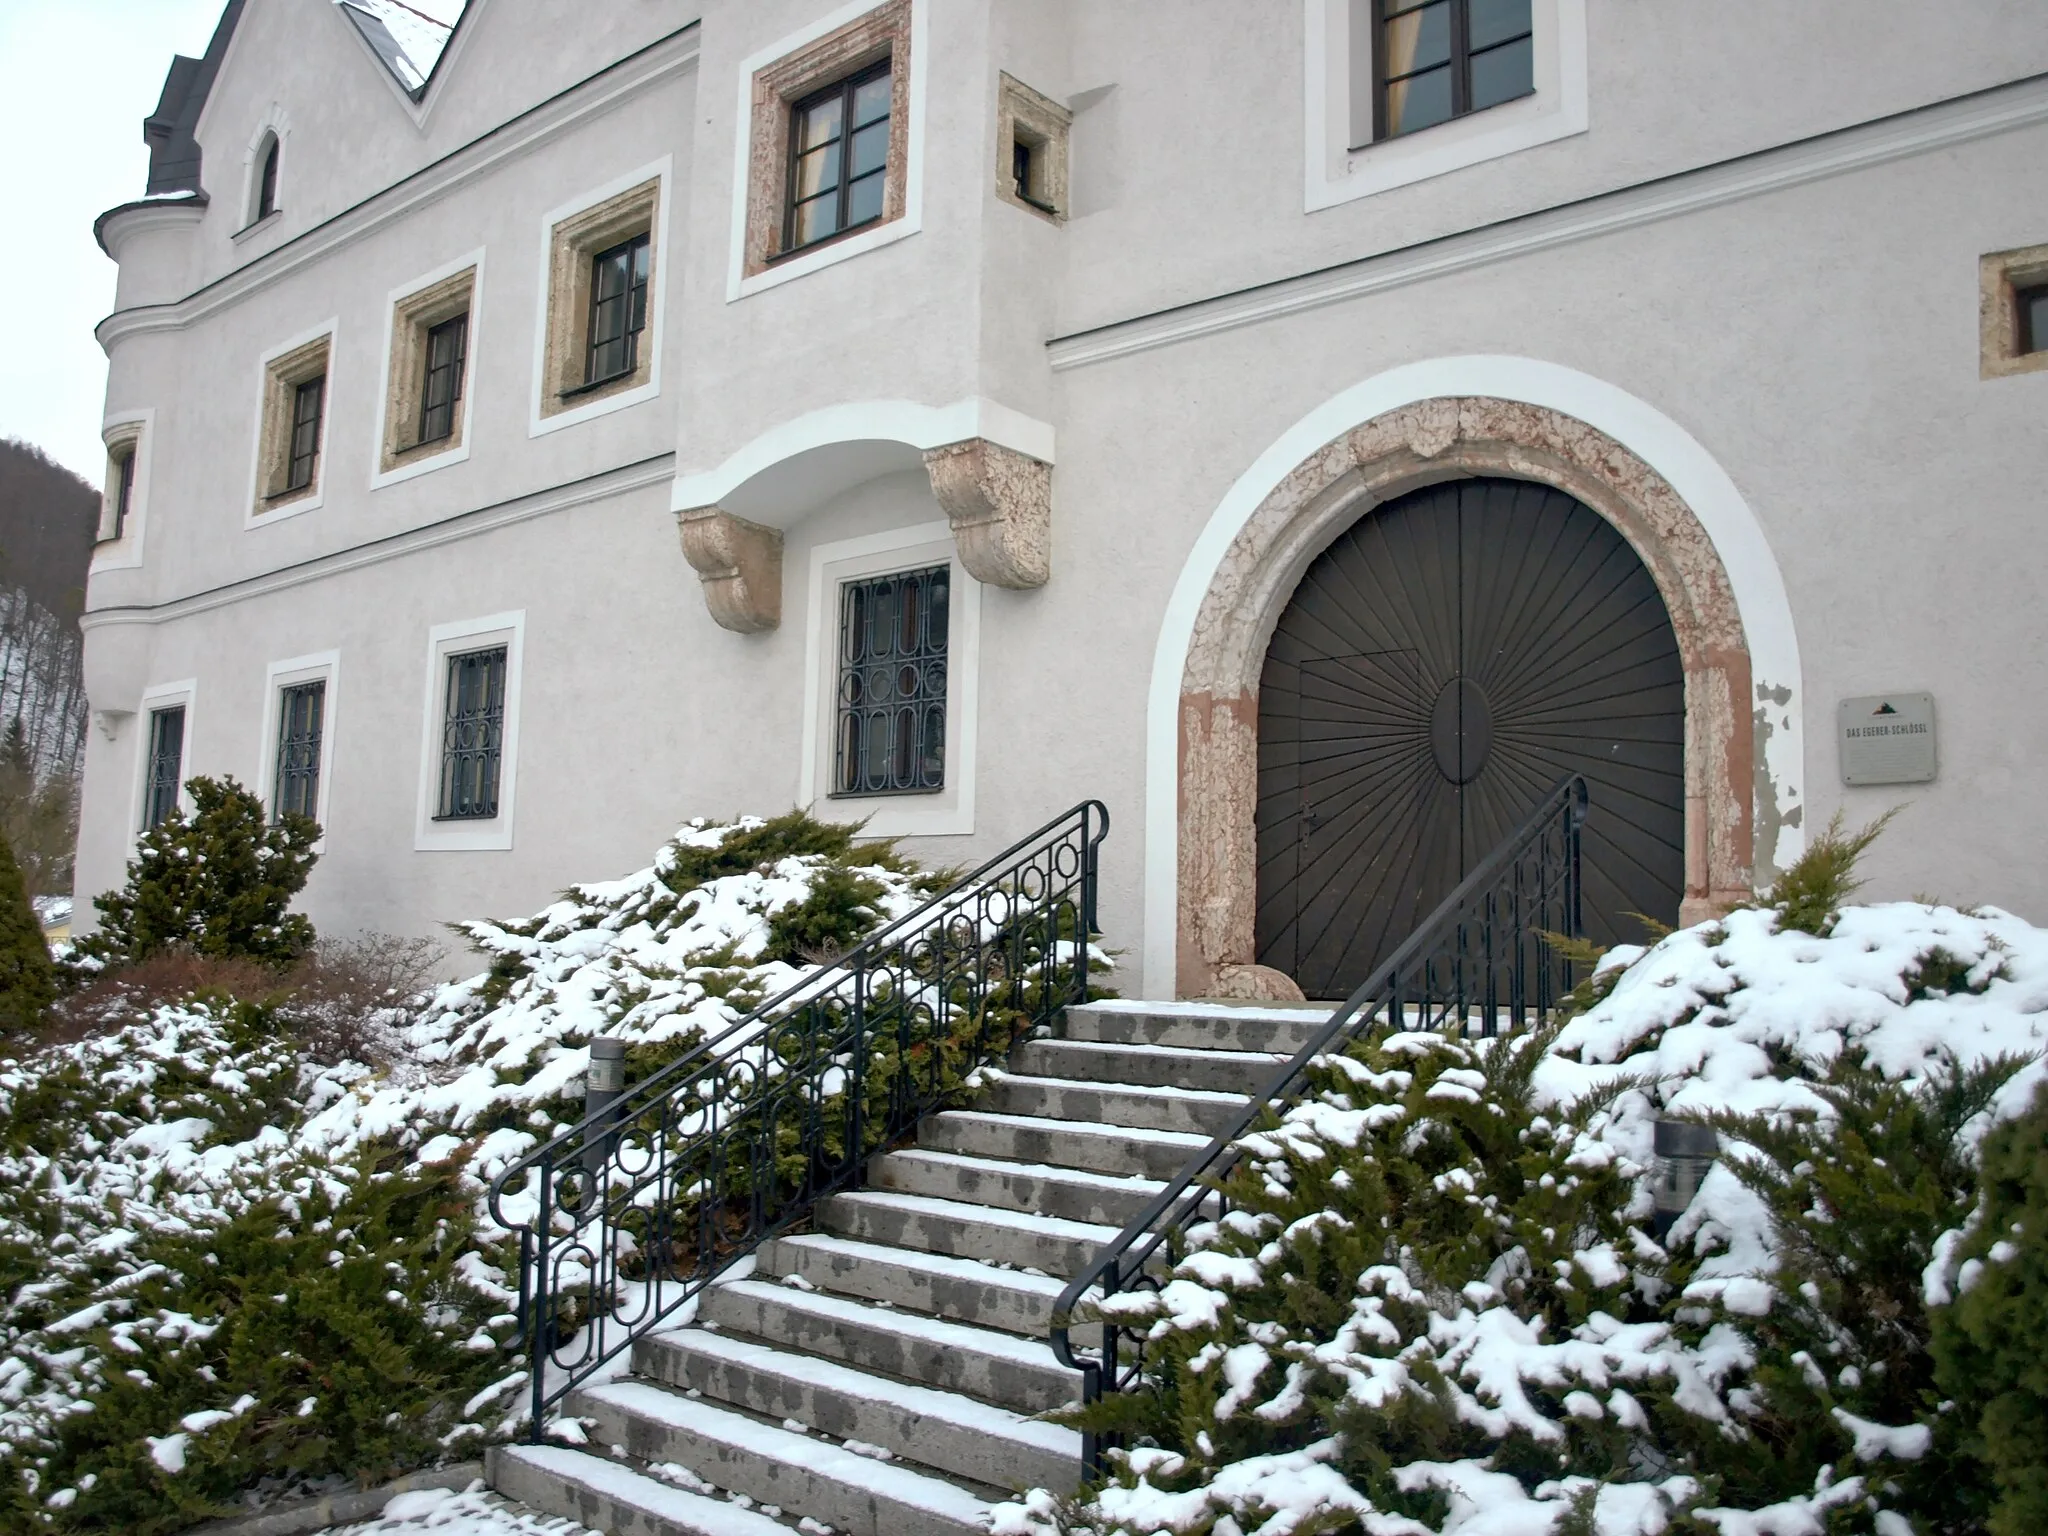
(266, 184)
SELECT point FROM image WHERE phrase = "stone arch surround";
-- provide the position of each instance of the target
(1397, 451)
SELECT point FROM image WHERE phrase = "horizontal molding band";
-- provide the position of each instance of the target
(657, 471)
(573, 107)
(1921, 130)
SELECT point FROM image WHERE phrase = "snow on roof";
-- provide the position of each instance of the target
(408, 38)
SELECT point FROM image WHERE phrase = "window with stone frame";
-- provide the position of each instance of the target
(427, 373)
(2012, 312)
(294, 426)
(828, 140)
(1031, 149)
(601, 289)
(117, 502)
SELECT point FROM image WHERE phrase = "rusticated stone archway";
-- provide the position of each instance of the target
(1418, 445)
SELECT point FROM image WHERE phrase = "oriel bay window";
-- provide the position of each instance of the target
(1440, 59)
(839, 157)
(618, 310)
(473, 736)
(302, 709)
(165, 769)
(891, 711)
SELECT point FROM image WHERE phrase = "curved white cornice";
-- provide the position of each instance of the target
(119, 225)
(560, 114)
(793, 466)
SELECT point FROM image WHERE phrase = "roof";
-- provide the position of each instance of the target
(407, 39)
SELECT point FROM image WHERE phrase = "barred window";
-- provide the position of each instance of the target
(892, 684)
(618, 309)
(473, 736)
(166, 764)
(446, 344)
(305, 443)
(301, 715)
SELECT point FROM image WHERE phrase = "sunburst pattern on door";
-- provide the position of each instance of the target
(1440, 666)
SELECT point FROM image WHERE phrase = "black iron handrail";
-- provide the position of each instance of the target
(1478, 964)
(624, 1218)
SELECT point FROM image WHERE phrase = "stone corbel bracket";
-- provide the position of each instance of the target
(999, 502)
(740, 564)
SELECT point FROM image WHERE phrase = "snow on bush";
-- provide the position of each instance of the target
(226, 1266)
(1436, 1304)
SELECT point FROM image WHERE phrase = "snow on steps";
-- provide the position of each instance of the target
(882, 1370)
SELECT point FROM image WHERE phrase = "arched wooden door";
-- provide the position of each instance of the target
(1438, 669)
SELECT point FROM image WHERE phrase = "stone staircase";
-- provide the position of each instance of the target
(882, 1374)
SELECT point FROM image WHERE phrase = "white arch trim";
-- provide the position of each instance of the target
(902, 422)
(1659, 441)
(276, 122)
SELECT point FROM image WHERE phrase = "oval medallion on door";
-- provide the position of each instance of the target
(1442, 664)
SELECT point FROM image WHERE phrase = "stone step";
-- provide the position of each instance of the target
(1196, 1026)
(1051, 1245)
(1151, 1066)
(1114, 1149)
(955, 1434)
(961, 1290)
(998, 1368)
(1037, 1188)
(603, 1495)
(1153, 1109)
(803, 1474)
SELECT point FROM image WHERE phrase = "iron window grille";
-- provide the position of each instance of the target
(447, 348)
(301, 712)
(1440, 59)
(124, 491)
(266, 193)
(2030, 307)
(473, 736)
(618, 310)
(891, 737)
(304, 458)
(166, 765)
(838, 158)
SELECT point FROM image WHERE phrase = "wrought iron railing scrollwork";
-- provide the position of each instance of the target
(624, 1218)
(1479, 964)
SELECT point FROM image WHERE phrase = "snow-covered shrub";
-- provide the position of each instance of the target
(1437, 1304)
(230, 1258)
(218, 882)
(1989, 1344)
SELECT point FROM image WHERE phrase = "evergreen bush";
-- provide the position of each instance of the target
(218, 882)
(1989, 1353)
(27, 982)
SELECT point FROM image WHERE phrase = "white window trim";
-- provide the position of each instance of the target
(380, 477)
(161, 696)
(275, 121)
(251, 518)
(951, 810)
(444, 640)
(320, 666)
(738, 284)
(665, 256)
(1337, 77)
(125, 553)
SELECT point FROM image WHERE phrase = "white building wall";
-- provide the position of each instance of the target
(1818, 341)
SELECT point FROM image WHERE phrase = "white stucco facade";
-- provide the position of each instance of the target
(1743, 244)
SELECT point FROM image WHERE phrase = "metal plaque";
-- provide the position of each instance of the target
(1887, 738)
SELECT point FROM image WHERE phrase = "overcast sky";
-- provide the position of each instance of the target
(76, 79)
